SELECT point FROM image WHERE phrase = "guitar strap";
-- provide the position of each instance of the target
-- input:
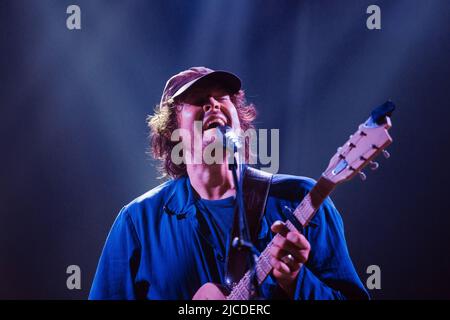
(256, 187)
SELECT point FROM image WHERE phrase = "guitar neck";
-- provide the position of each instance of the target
(303, 213)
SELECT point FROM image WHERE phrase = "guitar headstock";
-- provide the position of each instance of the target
(363, 146)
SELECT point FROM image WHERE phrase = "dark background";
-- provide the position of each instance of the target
(74, 139)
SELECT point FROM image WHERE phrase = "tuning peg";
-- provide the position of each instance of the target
(386, 154)
(362, 175)
(339, 149)
(374, 165)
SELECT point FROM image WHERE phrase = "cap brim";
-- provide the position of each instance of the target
(224, 79)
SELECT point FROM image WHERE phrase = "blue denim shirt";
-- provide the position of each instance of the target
(160, 248)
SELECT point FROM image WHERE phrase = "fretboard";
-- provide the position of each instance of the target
(303, 213)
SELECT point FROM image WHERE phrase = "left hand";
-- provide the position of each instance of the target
(289, 252)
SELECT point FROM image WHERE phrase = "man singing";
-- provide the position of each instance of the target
(176, 237)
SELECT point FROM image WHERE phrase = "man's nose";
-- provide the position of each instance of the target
(211, 104)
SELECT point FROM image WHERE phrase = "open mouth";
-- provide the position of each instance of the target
(214, 123)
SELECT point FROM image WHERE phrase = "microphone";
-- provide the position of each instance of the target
(231, 140)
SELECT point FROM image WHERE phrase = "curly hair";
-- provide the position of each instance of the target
(164, 121)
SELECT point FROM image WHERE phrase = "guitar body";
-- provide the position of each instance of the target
(210, 291)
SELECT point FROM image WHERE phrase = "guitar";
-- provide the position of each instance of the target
(361, 148)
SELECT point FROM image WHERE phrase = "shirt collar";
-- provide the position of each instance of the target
(181, 201)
